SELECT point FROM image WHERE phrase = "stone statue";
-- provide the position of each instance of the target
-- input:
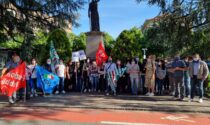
(94, 16)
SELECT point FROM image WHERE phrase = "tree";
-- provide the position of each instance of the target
(22, 16)
(61, 43)
(128, 44)
(79, 42)
(176, 24)
(108, 43)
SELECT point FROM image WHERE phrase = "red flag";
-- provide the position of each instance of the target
(101, 55)
(13, 80)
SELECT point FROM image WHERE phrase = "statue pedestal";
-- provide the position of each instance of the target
(93, 40)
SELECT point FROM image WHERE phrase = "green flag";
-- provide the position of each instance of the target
(53, 56)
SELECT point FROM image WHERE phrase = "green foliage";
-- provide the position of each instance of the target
(109, 43)
(79, 42)
(20, 16)
(179, 28)
(128, 44)
(61, 43)
(11, 44)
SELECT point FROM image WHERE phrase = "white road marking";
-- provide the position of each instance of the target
(178, 118)
(127, 123)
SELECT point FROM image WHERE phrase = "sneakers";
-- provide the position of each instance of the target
(85, 90)
(36, 95)
(63, 92)
(11, 101)
(190, 100)
(151, 94)
(57, 92)
(200, 101)
(31, 95)
(148, 94)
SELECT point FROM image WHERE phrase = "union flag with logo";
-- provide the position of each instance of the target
(13, 80)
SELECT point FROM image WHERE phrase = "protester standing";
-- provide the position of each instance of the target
(70, 76)
(142, 75)
(160, 74)
(61, 73)
(33, 77)
(199, 71)
(85, 74)
(109, 71)
(48, 66)
(127, 76)
(150, 75)
(15, 62)
(102, 80)
(178, 67)
(187, 78)
(78, 76)
(94, 76)
(121, 81)
(170, 73)
(134, 72)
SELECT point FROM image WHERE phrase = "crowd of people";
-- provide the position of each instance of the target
(173, 76)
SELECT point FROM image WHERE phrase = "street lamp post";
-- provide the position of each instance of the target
(144, 51)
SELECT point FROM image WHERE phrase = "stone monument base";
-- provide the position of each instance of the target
(93, 40)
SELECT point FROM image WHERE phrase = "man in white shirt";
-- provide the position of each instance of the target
(109, 71)
(33, 77)
(60, 71)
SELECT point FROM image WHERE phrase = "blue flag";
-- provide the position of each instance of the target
(45, 80)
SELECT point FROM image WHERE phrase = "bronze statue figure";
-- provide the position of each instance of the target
(94, 16)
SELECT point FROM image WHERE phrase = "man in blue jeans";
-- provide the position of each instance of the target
(187, 78)
(178, 67)
(60, 70)
(198, 72)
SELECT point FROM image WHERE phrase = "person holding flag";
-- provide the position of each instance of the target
(109, 71)
(8, 84)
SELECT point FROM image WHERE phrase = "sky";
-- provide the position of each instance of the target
(117, 15)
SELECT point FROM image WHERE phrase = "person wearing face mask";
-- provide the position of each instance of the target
(109, 72)
(102, 80)
(70, 76)
(178, 67)
(33, 77)
(85, 74)
(8, 67)
(48, 66)
(150, 75)
(187, 77)
(199, 71)
(161, 74)
(134, 72)
(120, 77)
(94, 76)
(61, 72)
(143, 72)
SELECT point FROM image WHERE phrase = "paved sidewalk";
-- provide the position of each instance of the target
(120, 102)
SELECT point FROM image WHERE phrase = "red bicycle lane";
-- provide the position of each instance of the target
(113, 117)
